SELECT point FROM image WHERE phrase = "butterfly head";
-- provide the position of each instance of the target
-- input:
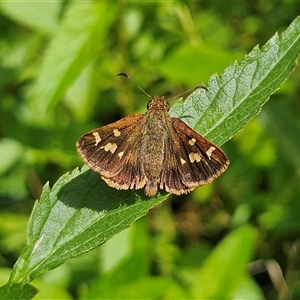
(158, 103)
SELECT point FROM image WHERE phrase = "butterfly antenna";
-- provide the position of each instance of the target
(127, 76)
(200, 86)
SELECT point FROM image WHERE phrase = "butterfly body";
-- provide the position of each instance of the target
(154, 142)
(152, 151)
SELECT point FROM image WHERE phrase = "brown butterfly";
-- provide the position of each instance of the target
(152, 151)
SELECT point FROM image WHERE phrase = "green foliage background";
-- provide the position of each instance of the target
(236, 238)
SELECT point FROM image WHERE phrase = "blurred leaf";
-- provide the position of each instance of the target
(282, 215)
(256, 145)
(136, 251)
(72, 48)
(12, 232)
(18, 54)
(78, 214)
(248, 289)
(4, 275)
(41, 16)
(10, 152)
(112, 254)
(193, 64)
(135, 260)
(13, 184)
(237, 95)
(222, 270)
(142, 288)
(241, 214)
(278, 118)
(17, 291)
(80, 95)
(131, 22)
(50, 291)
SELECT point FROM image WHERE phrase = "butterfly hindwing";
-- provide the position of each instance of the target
(132, 175)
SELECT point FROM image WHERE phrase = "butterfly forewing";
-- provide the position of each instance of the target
(191, 160)
(108, 149)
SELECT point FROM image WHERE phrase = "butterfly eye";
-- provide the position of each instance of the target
(148, 104)
(167, 106)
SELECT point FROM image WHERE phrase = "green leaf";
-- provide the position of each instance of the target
(141, 288)
(81, 94)
(238, 94)
(10, 152)
(17, 291)
(74, 46)
(222, 270)
(180, 64)
(278, 118)
(41, 16)
(115, 282)
(78, 214)
(248, 289)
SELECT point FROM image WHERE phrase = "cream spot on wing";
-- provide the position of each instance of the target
(97, 138)
(117, 132)
(192, 141)
(110, 147)
(194, 157)
(210, 151)
(120, 154)
(182, 161)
